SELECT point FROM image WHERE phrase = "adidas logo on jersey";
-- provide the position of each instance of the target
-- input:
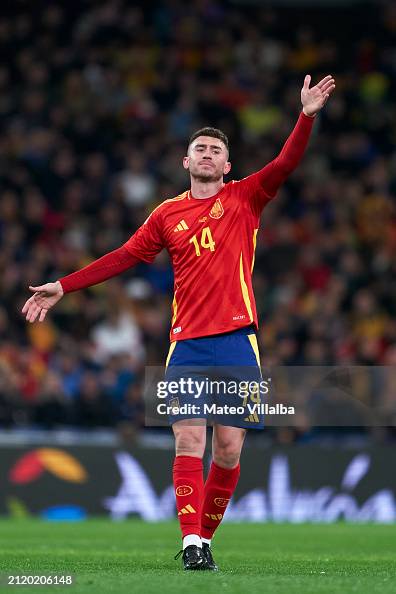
(182, 226)
(187, 510)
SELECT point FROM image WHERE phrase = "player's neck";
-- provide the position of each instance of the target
(200, 189)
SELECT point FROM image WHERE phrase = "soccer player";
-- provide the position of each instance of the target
(210, 233)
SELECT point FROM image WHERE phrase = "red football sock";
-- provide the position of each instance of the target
(189, 485)
(219, 487)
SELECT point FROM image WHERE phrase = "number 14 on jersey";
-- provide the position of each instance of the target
(205, 242)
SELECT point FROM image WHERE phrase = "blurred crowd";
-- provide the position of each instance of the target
(97, 101)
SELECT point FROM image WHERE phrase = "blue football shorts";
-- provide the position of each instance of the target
(217, 378)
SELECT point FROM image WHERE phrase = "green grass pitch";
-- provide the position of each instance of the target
(133, 556)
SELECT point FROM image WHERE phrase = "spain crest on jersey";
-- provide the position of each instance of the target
(217, 210)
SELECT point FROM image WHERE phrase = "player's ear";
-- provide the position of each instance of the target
(186, 162)
(227, 168)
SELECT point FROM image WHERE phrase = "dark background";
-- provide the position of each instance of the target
(97, 101)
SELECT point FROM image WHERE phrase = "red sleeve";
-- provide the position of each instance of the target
(100, 270)
(148, 241)
(264, 184)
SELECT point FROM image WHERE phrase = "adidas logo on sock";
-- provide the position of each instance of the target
(214, 516)
(187, 510)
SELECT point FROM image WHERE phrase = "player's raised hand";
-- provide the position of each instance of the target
(315, 97)
(45, 297)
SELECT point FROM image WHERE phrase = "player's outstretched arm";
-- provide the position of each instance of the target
(47, 295)
(271, 177)
(144, 245)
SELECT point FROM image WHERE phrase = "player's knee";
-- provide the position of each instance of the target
(189, 443)
(226, 454)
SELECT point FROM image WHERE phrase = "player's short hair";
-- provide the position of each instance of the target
(213, 132)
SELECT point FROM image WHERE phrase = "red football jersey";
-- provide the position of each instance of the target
(211, 242)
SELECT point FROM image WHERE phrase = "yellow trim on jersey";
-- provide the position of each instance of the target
(176, 199)
(245, 291)
(253, 341)
(170, 353)
(174, 307)
(254, 247)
